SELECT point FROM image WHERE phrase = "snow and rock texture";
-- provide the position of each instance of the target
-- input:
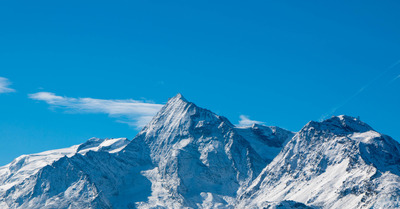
(199, 159)
(267, 141)
(21, 180)
(27, 165)
(189, 157)
(338, 163)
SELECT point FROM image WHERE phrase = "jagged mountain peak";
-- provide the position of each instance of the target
(184, 141)
(178, 114)
(340, 162)
(339, 125)
(178, 96)
(176, 101)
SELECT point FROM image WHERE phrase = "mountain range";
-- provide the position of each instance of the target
(190, 157)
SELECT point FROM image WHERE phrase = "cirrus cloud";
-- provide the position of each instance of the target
(4, 86)
(132, 112)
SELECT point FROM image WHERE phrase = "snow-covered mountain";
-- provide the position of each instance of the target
(338, 163)
(22, 178)
(189, 157)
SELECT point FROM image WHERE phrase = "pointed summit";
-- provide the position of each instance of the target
(180, 113)
(177, 97)
(175, 112)
(180, 96)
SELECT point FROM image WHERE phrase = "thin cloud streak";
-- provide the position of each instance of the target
(334, 109)
(4, 86)
(132, 112)
(246, 121)
(394, 64)
(394, 79)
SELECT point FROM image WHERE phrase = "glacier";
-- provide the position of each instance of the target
(190, 157)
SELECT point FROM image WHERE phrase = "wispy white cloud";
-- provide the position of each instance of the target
(394, 79)
(361, 90)
(245, 121)
(132, 112)
(394, 64)
(4, 85)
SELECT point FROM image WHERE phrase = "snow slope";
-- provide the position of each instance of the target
(267, 141)
(16, 177)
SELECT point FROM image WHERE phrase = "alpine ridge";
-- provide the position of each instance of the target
(338, 163)
(190, 157)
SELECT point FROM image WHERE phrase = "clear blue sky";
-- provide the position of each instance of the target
(280, 62)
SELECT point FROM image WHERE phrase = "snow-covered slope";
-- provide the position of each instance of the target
(27, 165)
(189, 157)
(338, 163)
(17, 178)
(267, 141)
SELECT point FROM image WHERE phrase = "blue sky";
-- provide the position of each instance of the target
(71, 70)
